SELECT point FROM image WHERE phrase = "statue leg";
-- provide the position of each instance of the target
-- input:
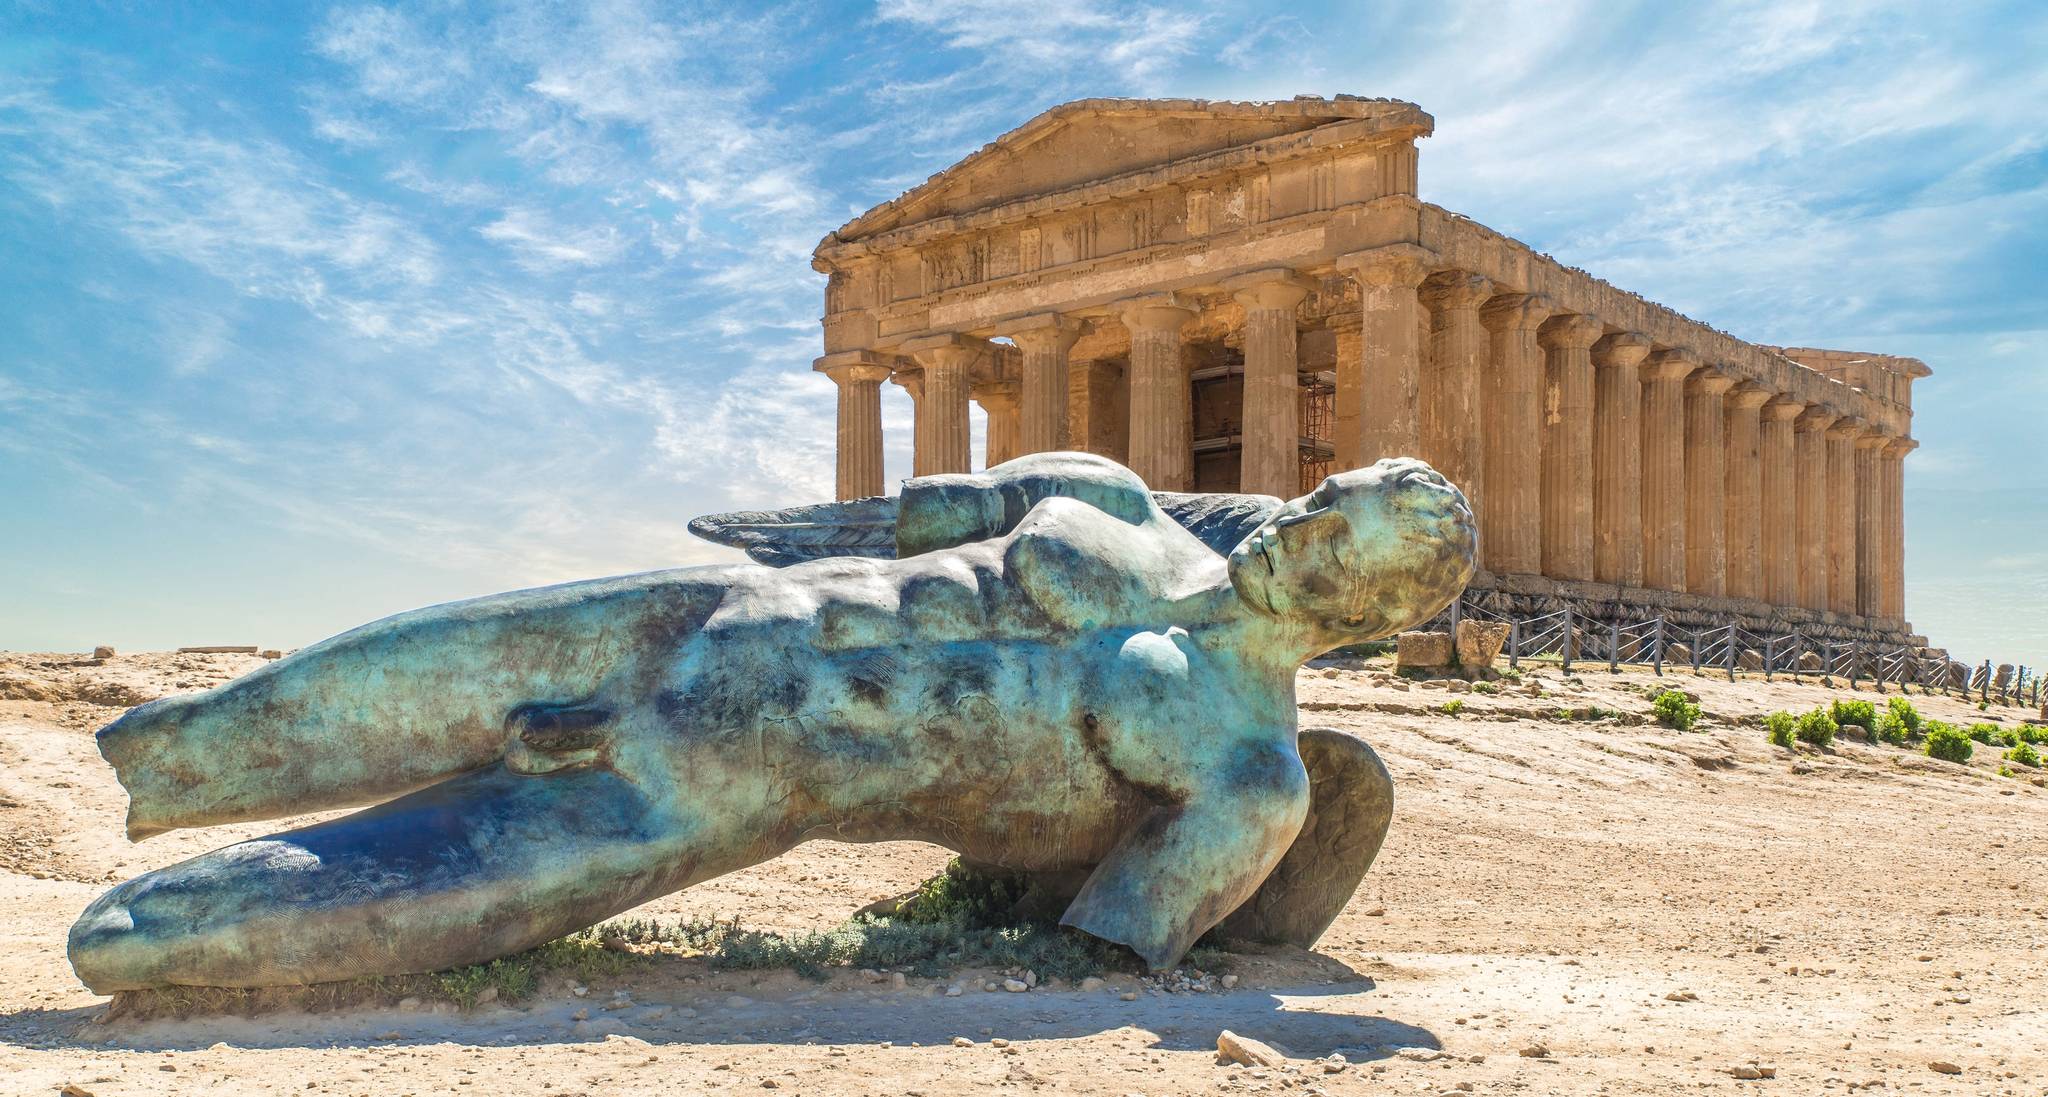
(1351, 803)
(468, 870)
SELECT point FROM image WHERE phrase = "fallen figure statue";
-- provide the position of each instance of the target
(1054, 677)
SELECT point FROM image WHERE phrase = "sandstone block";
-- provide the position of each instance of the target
(103, 652)
(1479, 642)
(1677, 653)
(1422, 650)
(1750, 659)
(1810, 661)
(1243, 1050)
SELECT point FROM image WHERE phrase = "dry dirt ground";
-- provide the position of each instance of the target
(1564, 906)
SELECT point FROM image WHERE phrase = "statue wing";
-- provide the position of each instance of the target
(779, 538)
(1219, 519)
(867, 527)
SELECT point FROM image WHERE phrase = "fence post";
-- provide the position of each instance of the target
(1729, 657)
(1657, 653)
(1985, 689)
(1879, 675)
(1515, 642)
(1770, 655)
(1613, 648)
(1457, 608)
(1695, 652)
(1855, 662)
(1564, 641)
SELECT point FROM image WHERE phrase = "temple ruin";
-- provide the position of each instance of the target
(1246, 296)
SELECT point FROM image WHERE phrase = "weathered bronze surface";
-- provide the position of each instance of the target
(1055, 677)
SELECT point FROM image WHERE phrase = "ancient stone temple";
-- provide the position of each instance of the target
(1246, 296)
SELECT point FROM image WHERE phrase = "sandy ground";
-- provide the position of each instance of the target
(1564, 906)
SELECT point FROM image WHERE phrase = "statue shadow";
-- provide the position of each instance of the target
(1287, 1016)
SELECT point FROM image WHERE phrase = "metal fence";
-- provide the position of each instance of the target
(1574, 638)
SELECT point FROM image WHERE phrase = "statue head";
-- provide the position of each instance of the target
(1368, 553)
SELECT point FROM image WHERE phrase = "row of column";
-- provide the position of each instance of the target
(1587, 454)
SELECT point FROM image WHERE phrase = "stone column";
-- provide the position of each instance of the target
(860, 427)
(1271, 456)
(1511, 400)
(1618, 459)
(1842, 514)
(1568, 479)
(1664, 468)
(1742, 459)
(1894, 600)
(1379, 375)
(1001, 400)
(1452, 431)
(1815, 521)
(943, 438)
(1870, 525)
(1162, 442)
(1045, 340)
(911, 379)
(1706, 482)
(1780, 502)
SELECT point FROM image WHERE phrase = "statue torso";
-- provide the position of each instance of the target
(976, 695)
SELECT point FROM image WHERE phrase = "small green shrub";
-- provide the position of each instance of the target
(2009, 737)
(2025, 755)
(1948, 742)
(1673, 710)
(2030, 733)
(1485, 687)
(1451, 707)
(1818, 728)
(1986, 734)
(1983, 706)
(1782, 727)
(1863, 714)
(2005, 770)
(1512, 674)
(1890, 728)
(1907, 714)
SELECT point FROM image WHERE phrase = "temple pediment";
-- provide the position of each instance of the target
(1096, 140)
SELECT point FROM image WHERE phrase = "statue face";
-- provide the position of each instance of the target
(1370, 552)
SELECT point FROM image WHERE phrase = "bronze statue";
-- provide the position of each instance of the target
(1054, 677)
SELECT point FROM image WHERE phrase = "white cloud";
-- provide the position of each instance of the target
(540, 244)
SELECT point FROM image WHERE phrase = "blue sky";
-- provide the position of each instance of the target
(312, 314)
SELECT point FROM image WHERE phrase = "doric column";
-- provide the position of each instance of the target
(1567, 410)
(1452, 431)
(942, 442)
(1511, 401)
(1664, 468)
(1815, 520)
(860, 424)
(1045, 340)
(1618, 459)
(1162, 442)
(1000, 399)
(1742, 459)
(1706, 482)
(1271, 456)
(1894, 600)
(1842, 514)
(1781, 502)
(1870, 525)
(1379, 374)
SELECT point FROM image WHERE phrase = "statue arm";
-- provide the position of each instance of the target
(939, 512)
(1199, 855)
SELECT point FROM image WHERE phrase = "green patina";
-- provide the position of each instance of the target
(1054, 678)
